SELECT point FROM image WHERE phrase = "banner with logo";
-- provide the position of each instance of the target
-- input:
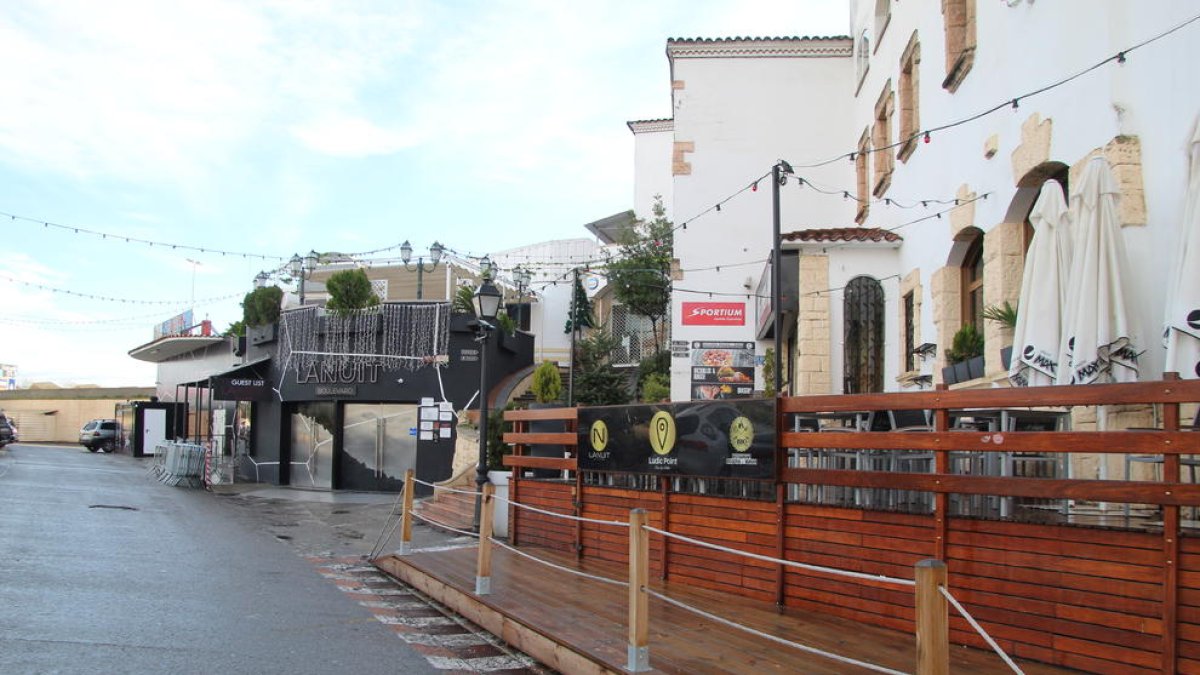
(714, 314)
(717, 439)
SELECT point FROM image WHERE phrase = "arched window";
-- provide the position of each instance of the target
(862, 359)
(972, 283)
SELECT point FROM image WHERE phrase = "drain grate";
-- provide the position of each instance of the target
(118, 507)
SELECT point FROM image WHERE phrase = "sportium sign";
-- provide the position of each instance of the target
(717, 439)
(714, 314)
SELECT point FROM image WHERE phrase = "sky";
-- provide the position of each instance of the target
(270, 128)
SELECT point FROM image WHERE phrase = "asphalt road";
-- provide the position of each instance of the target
(105, 570)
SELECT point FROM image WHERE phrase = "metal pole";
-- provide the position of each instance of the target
(420, 276)
(481, 468)
(776, 281)
(574, 329)
(302, 287)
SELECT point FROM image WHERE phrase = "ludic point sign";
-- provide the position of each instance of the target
(715, 439)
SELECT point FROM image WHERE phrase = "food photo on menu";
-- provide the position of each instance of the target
(722, 370)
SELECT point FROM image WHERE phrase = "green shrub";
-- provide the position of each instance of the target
(967, 344)
(547, 383)
(261, 306)
(656, 387)
(350, 290)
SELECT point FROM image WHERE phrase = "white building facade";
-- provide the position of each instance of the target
(901, 238)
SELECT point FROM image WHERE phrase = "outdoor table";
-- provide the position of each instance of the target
(1021, 419)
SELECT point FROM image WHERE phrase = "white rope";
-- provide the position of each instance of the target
(979, 629)
(773, 638)
(446, 527)
(447, 489)
(780, 561)
(561, 568)
(614, 523)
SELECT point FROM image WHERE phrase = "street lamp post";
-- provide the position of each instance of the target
(435, 255)
(521, 277)
(487, 305)
(302, 267)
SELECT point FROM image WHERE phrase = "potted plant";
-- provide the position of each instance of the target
(546, 389)
(964, 358)
(350, 290)
(260, 312)
(1006, 316)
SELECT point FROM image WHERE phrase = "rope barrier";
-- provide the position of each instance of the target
(445, 527)
(447, 489)
(780, 561)
(979, 629)
(560, 568)
(613, 523)
(773, 638)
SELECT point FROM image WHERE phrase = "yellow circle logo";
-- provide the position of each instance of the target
(662, 432)
(741, 434)
(599, 435)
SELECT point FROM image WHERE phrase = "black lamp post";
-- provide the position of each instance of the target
(522, 277)
(301, 268)
(435, 255)
(487, 305)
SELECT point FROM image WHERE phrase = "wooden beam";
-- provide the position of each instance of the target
(1135, 492)
(561, 463)
(406, 515)
(541, 438)
(483, 573)
(543, 414)
(1112, 442)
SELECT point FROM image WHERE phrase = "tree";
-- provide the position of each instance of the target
(641, 274)
(236, 329)
(547, 383)
(350, 290)
(261, 306)
(464, 301)
(580, 314)
(598, 383)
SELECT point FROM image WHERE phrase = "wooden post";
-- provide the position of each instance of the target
(406, 514)
(933, 623)
(1170, 553)
(483, 574)
(639, 602)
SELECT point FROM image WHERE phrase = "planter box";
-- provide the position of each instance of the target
(961, 372)
(1006, 357)
(975, 367)
(948, 376)
(258, 335)
(500, 505)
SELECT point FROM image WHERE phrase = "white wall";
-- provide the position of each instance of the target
(652, 167)
(745, 114)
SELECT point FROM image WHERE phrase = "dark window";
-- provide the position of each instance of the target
(910, 332)
(972, 283)
(863, 334)
(108, 426)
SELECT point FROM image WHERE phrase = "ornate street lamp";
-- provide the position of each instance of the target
(487, 305)
(260, 280)
(521, 277)
(435, 256)
(300, 268)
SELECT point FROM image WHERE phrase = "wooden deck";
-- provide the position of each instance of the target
(577, 625)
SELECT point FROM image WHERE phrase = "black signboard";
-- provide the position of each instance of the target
(718, 439)
(240, 389)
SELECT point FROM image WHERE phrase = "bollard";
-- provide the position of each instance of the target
(483, 575)
(639, 602)
(406, 515)
(933, 622)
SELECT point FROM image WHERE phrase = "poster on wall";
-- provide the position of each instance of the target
(722, 370)
(717, 439)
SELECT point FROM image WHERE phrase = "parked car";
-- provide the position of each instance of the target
(100, 434)
(8, 431)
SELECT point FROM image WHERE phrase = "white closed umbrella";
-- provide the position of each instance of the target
(1099, 342)
(1182, 326)
(1038, 333)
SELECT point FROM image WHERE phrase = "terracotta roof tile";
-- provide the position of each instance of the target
(873, 234)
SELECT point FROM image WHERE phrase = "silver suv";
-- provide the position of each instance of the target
(100, 435)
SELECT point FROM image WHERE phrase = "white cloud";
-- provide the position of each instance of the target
(345, 136)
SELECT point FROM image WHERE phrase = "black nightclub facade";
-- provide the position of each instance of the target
(344, 402)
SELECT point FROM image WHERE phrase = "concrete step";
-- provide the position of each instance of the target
(450, 509)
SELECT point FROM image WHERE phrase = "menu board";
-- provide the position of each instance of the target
(722, 370)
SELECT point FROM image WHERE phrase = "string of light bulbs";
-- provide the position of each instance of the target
(105, 298)
(1013, 102)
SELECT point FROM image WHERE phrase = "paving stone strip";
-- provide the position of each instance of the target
(448, 641)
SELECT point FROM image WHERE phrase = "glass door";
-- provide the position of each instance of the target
(312, 445)
(378, 446)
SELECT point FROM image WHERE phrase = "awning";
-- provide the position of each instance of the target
(171, 346)
(245, 370)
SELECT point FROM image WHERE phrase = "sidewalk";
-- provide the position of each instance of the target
(336, 524)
